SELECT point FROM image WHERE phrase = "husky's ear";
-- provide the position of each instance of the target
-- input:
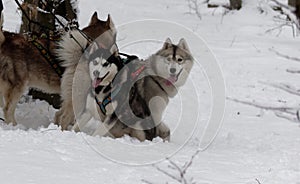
(167, 44)
(109, 22)
(94, 19)
(183, 45)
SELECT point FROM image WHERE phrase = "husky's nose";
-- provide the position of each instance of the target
(173, 70)
(96, 73)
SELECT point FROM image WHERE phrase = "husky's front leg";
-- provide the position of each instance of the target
(81, 121)
(163, 131)
(157, 106)
(104, 128)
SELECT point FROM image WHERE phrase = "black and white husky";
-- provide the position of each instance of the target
(103, 67)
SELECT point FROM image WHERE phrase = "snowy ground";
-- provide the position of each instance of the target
(252, 146)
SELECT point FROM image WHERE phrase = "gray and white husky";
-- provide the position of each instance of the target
(148, 95)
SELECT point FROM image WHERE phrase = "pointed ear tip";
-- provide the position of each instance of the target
(168, 41)
(182, 40)
(108, 17)
(95, 13)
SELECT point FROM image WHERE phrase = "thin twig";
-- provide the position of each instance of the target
(289, 113)
(181, 173)
(284, 87)
(257, 181)
(293, 118)
(293, 71)
(147, 182)
(283, 109)
(284, 5)
(194, 6)
(284, 55)
(291, 19)
(168, 174)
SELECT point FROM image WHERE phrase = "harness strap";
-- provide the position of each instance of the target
(49, 57)
(108, 99)
(137, 72)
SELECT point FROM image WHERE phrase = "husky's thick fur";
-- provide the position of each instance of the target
(103, 67)
(164, 73)
(70, 51)
(22, 66)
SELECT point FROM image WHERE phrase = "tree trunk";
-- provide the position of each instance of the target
(235, 4)
(296, 5)
(46, 20)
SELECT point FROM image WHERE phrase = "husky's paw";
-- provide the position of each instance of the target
(163, 131)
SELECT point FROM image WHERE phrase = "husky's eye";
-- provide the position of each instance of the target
(95, 62)
(168, 60)
(180, 60)
(106, 64)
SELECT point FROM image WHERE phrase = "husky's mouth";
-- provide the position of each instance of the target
(173, 78)
(97, 81)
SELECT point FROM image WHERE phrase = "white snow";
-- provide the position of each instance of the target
(252, 146)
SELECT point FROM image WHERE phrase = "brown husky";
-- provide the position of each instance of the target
(22, 66)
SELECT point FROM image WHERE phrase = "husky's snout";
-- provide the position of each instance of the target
(96, 73)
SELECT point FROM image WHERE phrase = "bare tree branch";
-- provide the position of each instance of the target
(264, 107)
(291, 19)
(289, 113)
(293, 118)
(284, 5)
(147, 182)
(284, 55)
(292, 70)
(284, 87)
(194, 7)
(168, 174)
(257, 181)
(180, 175)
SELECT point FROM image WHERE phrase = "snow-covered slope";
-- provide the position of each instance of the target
(251, 147)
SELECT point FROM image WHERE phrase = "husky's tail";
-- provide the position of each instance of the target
(70, 48)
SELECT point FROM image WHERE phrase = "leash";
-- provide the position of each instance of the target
(2, 119)
(128, 58)
(45, 52)
(108, 99)
(69, 27)
(49, 57)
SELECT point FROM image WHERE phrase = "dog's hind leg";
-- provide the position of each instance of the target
(12, 97)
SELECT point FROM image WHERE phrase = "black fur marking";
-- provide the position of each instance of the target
(150, 134)
(107, 89)
(174, 51)
(98, 89)
(137, 104)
